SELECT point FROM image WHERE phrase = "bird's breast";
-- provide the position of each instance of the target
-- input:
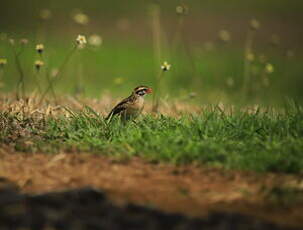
(136, 106)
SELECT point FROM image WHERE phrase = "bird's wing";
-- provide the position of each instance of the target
(119, 108)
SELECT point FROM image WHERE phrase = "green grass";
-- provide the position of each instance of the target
(260, 141)
(284, 196)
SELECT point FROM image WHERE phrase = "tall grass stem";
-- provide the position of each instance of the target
(20, 83)
(52, 81)
(49, 82)
(36, 75)
(157, 92)
(155, 13)
(247, 62)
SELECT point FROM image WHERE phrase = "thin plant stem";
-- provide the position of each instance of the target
(1, 74)
(69, 55)
(20, 83)
(156, 32)
(178, 33)
(50, 83)
(37, 81)
(191, 60)
(247, 62)
(156, 37)
(79, 88)
(180, 38)
(157, 94)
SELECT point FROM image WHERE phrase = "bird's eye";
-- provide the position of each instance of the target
(141, 92)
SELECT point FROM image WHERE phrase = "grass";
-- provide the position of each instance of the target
(284, 196)
(262, 140)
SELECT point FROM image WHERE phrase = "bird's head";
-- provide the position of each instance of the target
(142, 90)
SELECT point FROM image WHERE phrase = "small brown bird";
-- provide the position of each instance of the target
(130, 107)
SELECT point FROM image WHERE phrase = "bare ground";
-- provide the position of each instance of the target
(190, 190)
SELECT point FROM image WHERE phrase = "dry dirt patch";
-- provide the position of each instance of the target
(190, 190)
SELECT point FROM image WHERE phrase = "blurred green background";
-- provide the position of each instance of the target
(205, 44)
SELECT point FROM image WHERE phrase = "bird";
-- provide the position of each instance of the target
(130, 107)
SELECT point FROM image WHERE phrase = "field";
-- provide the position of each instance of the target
(218, 144)
(258, 139)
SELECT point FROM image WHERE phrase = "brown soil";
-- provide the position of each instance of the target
(189, 190)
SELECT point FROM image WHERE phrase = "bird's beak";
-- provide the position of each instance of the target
(149, 90)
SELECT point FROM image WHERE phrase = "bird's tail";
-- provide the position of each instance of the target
(109, 116)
